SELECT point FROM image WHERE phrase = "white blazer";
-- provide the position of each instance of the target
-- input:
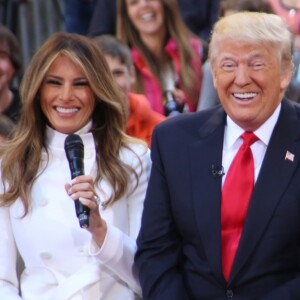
(61, 260)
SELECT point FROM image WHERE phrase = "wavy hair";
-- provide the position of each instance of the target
(21, 158)
(176, 29)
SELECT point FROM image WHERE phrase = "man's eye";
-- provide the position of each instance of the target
(228, 67)
(257, 66)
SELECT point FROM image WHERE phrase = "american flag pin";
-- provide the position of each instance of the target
(289, 156)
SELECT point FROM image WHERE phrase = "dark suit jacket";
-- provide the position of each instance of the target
(179, 245)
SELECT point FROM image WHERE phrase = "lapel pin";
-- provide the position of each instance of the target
(289, 156)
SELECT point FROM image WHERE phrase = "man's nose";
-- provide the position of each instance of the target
(242, 75)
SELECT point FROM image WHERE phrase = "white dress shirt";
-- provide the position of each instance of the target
(233, 141)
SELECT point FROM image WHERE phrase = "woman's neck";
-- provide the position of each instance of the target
(155, 43)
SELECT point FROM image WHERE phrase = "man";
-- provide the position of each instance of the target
(141, 119)
(192, 245)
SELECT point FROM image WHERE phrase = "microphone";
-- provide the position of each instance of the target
(217, 171)
(74, 149)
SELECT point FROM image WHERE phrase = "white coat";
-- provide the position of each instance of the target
(61, 260)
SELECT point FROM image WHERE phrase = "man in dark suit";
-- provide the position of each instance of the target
(187, 227)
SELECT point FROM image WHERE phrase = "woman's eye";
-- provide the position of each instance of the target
(53, 82)
(81, 83)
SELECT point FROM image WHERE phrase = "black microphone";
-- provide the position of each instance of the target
(217, 171)
(74, 149)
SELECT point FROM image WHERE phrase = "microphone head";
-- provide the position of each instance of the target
(74, 147)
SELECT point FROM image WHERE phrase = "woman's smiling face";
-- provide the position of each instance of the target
(66, 98)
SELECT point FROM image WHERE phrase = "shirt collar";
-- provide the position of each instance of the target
(264, 132)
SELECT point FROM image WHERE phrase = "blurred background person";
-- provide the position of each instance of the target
(10, 66)
(166, 55)
(140, 118)
(208, 96)
(290, 11)
(103, 19)
(68, 89)
(77, 15)
(6, 128)
(199, 16)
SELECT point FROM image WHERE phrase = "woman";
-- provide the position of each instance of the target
(68, 89)
(167, 56)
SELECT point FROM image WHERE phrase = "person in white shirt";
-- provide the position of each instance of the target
(68, 89)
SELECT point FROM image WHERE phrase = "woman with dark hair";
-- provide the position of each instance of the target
(68, 89)
(166, 55)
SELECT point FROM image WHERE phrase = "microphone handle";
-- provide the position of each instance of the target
(82, 211)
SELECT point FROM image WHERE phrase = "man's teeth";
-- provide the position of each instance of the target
(244, 95)
(66, 110)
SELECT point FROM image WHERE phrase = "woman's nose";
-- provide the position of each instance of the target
(66, 92)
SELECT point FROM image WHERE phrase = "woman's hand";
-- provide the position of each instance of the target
(82, 189)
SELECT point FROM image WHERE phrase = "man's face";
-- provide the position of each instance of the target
(122, 74)
(250, 81)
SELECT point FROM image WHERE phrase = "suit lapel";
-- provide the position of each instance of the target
(275, 174)
(206, 187)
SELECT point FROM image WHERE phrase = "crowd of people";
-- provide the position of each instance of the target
(150, 151)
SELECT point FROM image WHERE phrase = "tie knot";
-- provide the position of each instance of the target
(249, 138)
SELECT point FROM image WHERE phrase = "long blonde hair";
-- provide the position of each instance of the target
(177, 30)
(21, 157)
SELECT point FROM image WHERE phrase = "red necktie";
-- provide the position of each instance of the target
(236, 193)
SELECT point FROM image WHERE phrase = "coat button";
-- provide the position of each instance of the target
(229, 293)
(43, 201)
(45, 255)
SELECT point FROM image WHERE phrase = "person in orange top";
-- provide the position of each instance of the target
(141, 119)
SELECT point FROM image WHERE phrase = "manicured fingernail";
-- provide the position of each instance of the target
(82, 200)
